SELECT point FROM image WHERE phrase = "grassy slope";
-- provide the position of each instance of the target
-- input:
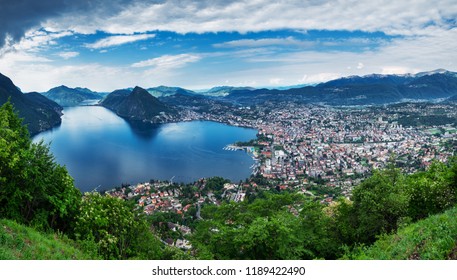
(429, 239)
(18, 242)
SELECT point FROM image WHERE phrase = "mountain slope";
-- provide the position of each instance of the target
(224, 90)
(434, 238)
(18, 242)
(66, 96)
(162, 91)
(453, 98)
(39, 113)
(138, 105)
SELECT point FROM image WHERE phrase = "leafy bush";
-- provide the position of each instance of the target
(117, 231)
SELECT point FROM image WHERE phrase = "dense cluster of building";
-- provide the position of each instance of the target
(342, 145)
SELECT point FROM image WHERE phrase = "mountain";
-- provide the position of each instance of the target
(436, 71)
(198, 103)
(355, 90)
(138, 105)
(433, 86)
(452, 98)
(368, 80)
(224, 91)
(66, 96)
(162, 91)
(38, 112)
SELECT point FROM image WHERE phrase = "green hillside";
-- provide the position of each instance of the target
(434, 238)
(18, 242)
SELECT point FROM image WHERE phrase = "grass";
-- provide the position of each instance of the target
(18, 242)
(434, 238)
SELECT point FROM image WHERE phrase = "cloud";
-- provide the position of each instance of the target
(391, 17)
(34, 41)
(168, 61)
(118, 40)
(275, 81)
(68, 55)
(289, 41)
(423, 38)
(406, 18)
(395, 70)
(19, 16)
(319, 78)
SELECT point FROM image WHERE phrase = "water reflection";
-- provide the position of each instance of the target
(99, 148)
(143, 129)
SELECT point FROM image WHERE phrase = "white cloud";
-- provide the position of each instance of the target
(275, 81)
(13, 58)
(68, 55)
(34, 40)
(409, 17)
(360, 65)
(288, 41)
(168, 61)
(118, 40)
(397, 70)
(319, 78)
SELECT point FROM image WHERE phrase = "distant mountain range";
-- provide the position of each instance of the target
(160, 104)
(374, 89)
(138, 105)
(355, 90)
(38, 112)
(66, 96)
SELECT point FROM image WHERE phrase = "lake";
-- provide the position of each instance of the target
(101, 149)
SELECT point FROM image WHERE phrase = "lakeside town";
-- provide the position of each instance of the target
(299, 143)
(320, 151)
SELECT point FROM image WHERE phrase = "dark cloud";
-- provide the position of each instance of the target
(18, 16)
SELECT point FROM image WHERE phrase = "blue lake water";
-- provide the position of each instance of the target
(101, 149)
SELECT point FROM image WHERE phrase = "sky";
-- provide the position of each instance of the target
(108, 45)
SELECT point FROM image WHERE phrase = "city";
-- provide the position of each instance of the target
(320, 151)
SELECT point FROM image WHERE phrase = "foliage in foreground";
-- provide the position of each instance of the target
(434, 238)
(389, 199)
(291, 226)
(114, 229)
(34, 189)
(268, 228)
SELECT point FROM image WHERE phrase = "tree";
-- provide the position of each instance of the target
(379, 203)
(318, 238)
(115, 228)
(34, 189)
(268, 228)
(431, 192)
